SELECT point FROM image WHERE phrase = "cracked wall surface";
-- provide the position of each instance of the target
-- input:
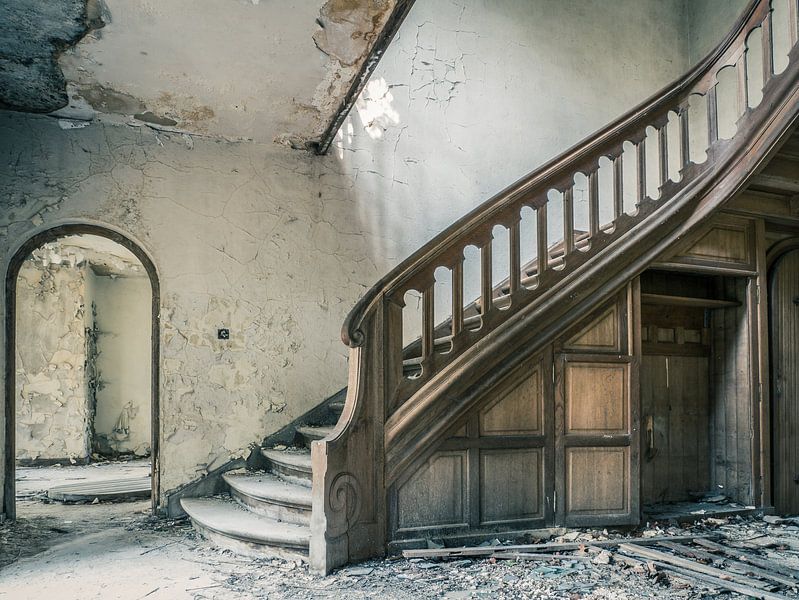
(278, 245)
(52, 413)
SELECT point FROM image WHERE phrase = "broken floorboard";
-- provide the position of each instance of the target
(689, 512)
(114, 489)
(475, 551)
(695, 572)
(695, 559)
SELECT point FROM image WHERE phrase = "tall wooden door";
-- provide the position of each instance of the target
(597, 458)
(784, 309)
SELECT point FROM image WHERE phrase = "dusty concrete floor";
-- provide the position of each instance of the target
(117, 551)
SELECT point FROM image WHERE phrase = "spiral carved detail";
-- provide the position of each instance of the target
(344, 502)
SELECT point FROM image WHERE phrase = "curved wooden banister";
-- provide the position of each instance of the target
(399, 407)
(579, 158)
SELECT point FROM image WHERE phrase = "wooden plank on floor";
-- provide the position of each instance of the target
(521, 556)
(683, 563)
(748, 569)
(746, 557)
(693, 577)
(546, 547)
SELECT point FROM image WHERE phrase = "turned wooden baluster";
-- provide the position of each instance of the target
(541, 238)
(663, 153)
(568, 221)
(768, 51)
(593, 202)
(428, 321)
(712, 116)
(743, 86)
(685, 139)
(640, 155)
(486, 285)
(618, 186)
(515, 250)
(457, 296)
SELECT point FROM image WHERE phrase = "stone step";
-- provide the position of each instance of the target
(314, 433)
(130, 488)
(229, 525)
(271, 496)
(292, 462)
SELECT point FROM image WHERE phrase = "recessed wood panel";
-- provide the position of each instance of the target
(728, 244)
(723, 243)
(597, 481)
(517, 411)
(436, 494)
(511, 485)
(596, 396)
(603, 334)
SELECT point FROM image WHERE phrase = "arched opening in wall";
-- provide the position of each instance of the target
(81, 402)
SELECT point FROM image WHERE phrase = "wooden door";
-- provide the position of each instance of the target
(597, 457)
(784, 309)
(675, 423)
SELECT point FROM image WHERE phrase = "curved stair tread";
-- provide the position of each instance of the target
(269, 488)
(299, 460)
(227, 518)
(314, 433)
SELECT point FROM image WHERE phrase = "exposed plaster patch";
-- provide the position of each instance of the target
(347, 32)
(52, 408)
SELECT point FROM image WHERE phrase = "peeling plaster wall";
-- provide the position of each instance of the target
(264, 241)
(52, 416)
(122, 318)
(278, 245)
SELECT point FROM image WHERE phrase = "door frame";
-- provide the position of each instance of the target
(14, 265)
(774, 255)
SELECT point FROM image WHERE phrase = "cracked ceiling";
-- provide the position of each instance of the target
(240, 69)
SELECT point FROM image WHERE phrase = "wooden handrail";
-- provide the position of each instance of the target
(605, 142)
(393, 420)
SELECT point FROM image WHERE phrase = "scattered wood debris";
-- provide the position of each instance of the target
(709, 560)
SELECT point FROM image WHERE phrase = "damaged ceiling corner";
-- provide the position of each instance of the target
(52, 60)
(353, 35)
(34, 33)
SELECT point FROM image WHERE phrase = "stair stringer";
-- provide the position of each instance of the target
(378, 440)
(416, 429)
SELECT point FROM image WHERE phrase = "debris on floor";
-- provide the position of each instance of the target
(730, 558)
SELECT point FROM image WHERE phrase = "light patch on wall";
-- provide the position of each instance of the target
(375, 108)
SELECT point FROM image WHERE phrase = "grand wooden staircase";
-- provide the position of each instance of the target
(546, 251)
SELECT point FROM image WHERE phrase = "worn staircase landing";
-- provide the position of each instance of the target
(265, 513)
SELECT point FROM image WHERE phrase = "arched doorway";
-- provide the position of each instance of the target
(784, 334)
(11, 337)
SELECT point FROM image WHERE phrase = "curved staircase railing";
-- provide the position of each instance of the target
(598, 214)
